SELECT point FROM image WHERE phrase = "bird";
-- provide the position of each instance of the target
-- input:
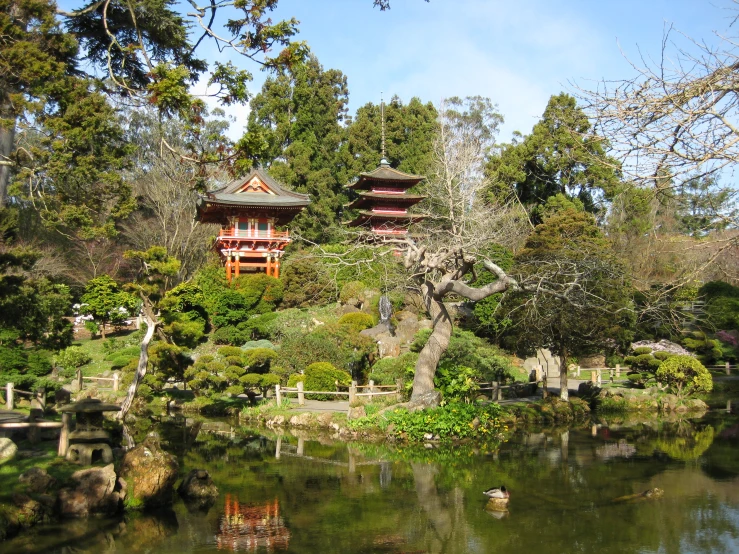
(498, 493)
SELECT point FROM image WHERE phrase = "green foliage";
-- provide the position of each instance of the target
(450, 422)
(387, 371)
(127, 352)
(358, 321)
(562, 155)
(306, 280)
(352, 289)
(224, 335)
(257, 326)
(685, 375)
(722, 305)
(457, 383)
(332, 343)
(258, 344)
(168, 362)
(642, 350)
(295, 378)
(119, 362)
(490, 320)
(226, 351)
(662, 356)
(708, 350)
(258, 360)
(322, 376)
(105, 300)
(72, 357)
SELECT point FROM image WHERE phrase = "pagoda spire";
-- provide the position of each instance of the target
(383, 160)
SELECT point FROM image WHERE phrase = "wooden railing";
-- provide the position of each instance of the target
(114, 381)
(237, 233)
(352, 393)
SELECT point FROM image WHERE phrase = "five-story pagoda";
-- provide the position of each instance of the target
(383, 201)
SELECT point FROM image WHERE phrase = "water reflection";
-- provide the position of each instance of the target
(305, 494)
(249, 527)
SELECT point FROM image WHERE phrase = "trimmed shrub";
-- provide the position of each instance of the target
(223, 335)
(642, 350)
(685, 375)
(387, 370)
(295, 378)
(258, 360)
(662, 356)
(205, 359)
(358, 321)
(128, 352)
(119, 362)
(258, 344)
(226, 351)
(73, 357)
(322, 376)
(234, 360)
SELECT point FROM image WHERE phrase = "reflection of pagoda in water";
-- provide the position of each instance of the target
(249, 527)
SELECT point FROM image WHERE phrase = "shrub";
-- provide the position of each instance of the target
(234, 360)
(352, 290)
(258, 344)
(226, 351)
(234, 390)
(662, 356)
(641, 350)
(685, 375)
(205, 359)
(457, 383)
(322, 376)
(267, 382)
(73, 357)
(257, 327)
(295, 378)
(127, 352)
(387, 371)
(216, 367)
(357, 321)
(452, 421)
(119, 362)
(258, 360)
(92, 327)
(223, 335)
(38, 363)
(251, 380)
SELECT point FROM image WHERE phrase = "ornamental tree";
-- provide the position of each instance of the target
(685, 375)
(107, 302)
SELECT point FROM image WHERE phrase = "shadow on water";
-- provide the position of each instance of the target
(572, 490)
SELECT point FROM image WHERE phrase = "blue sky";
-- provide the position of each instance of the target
(516, 53)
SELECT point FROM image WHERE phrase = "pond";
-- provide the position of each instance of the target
(572, 490)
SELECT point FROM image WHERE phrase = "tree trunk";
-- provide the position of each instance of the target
(564, 392)
(428, 359)
(151, 325)
(7, 142)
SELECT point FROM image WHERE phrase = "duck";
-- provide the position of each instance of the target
(500, 493)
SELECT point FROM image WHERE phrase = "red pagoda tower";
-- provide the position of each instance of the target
(249, 210)
(383, 201)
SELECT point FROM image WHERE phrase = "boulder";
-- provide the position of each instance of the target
(302, 420)
(388, 347)
(8, 450)
(36, 480)
(407, 328)
(381, 329)
(430, 399)
(150, 473)
(347, 309)
(198, 486)
(356, 412)
(92, 493)
(662, 346)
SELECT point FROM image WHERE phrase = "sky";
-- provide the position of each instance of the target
(516, 53)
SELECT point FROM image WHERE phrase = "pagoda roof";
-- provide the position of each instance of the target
(366, 215)
(387, 176)
(257, 190)
(368, 199)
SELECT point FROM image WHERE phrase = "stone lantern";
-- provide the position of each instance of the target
(89, 441)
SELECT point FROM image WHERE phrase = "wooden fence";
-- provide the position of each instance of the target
(10, 393)
(353, 392)
(114, 381)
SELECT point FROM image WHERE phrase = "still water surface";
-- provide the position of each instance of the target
(571, 491)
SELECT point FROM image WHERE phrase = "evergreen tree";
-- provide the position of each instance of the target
(562, 155)
(295, 130)
(410, 130)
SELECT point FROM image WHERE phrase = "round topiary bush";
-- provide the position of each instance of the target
(226, 351)
(642, 350)
(685, 375)
(294, 379)
(662, 356)
(323, 376)
(357, 321)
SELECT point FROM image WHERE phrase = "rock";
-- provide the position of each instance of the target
(8, 450)
(662, 346)
(696, 404)
(198, 487)
(36, 480)
(407, 328)
(277, 421)
(150, 473)
(30, 511)
(388, 347)
(376, 331)
(347, 309)
(430, 399)
(669, 402)
(302, 420)
(356, 412)
(587, 390)
(593, 360)
(93, 492)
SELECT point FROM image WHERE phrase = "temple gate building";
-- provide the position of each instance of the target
(249, 210)
(383, 201)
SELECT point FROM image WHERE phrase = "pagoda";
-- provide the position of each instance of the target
(249, 210)
(383, 201)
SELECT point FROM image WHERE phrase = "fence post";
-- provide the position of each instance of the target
(577, 371)
(64, 435)
(399, 389)
(9, 396)
(728, 368)
(545, 391)
(610, 375)
(116, 378)
(301, 446)
(593, 378)
(278, 395)
(278, 446)
(352, 392)
(494, 392)
(80, 382)
(618, 371)
(301, 395)
(371, 387)
(600, 378)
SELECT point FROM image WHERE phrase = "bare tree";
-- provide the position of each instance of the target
(459, 229)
